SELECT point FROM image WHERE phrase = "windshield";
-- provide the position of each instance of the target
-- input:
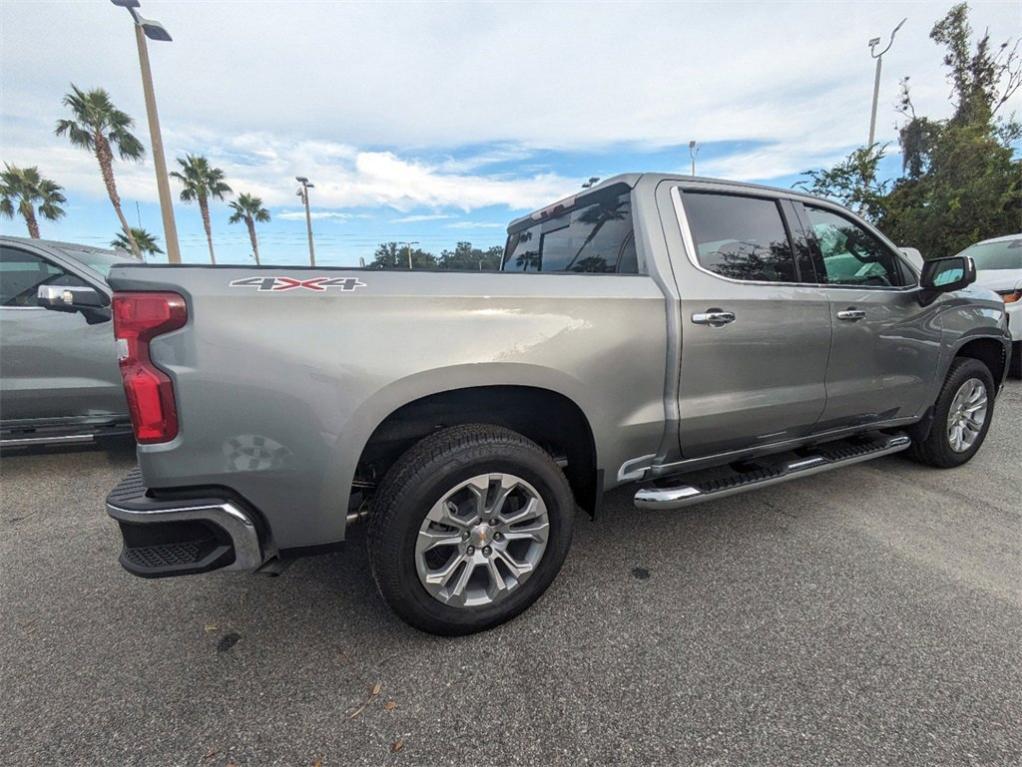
(98, 260)
(1004, 254)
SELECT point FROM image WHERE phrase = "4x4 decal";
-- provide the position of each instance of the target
(278, 284)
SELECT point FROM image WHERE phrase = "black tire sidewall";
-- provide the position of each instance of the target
(426, 487)
(963, 371)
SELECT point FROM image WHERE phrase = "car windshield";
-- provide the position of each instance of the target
(1003, 254)
(98, 260)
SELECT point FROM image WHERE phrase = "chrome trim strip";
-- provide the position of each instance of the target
(652, 497)
(66, 439)
(244, 538)
(635, 468)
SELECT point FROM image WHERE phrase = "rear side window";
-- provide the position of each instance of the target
(22, 273)
(596, 238)
(743, 238)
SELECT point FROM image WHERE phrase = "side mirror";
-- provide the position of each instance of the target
(943, 275)
(89, 301)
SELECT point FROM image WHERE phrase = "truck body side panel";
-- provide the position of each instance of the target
(278, 391)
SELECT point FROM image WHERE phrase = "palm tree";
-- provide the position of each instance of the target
(146, 242)
(98, 126)
(201, 182)
(249, 209)
(24, 190)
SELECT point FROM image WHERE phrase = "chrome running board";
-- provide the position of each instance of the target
(678, 492)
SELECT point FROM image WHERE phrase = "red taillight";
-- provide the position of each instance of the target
(1011, 297)
(138, 318)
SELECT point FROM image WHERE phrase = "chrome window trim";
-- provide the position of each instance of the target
(686, 236)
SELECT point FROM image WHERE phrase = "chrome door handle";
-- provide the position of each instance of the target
(851, 315)
(715, 318)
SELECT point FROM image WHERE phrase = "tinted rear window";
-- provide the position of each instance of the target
(597, 237)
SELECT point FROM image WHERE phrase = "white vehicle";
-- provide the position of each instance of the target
(999, 268)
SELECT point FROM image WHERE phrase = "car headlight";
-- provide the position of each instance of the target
(1011, 296)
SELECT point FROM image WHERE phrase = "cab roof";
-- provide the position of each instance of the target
(630, 180)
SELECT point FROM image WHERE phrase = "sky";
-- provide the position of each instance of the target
(441, 122)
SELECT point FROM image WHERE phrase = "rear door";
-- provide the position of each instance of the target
(886, 345)
(55, 365)
(755, 329)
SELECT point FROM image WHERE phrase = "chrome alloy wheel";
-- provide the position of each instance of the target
(967, 415)
(482, 540)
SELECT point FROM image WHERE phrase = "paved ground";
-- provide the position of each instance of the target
(867, 616)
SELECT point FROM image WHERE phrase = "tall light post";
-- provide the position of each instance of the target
(408, 247)
(693, 150)
(303, 192)
(155, 31)
(876, 80)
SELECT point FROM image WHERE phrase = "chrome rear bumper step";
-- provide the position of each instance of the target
(176, 537)
(678, 492)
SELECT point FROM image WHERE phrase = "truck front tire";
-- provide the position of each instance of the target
(468, 528)
(961, 416)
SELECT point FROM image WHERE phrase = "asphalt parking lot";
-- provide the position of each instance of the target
(871, 615)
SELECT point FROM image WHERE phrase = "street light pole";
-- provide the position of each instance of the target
(408, 247)
(876, 79)
(693, 150)
(154, 30)
(303, 192)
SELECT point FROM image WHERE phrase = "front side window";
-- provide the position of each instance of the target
(21, 274)
(743, 238)
(597, 237)
(852, 255)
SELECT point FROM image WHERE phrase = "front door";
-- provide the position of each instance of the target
(755, 338)
(885, 349)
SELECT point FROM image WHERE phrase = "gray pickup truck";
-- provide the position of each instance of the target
(690, 337)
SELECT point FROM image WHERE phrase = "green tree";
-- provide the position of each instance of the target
(249, 208)
(146, 242)
(394, 255)
(98, 126)
(202, 182)
(466, 257)
(961, 181)
(852, 182)
(25, 192)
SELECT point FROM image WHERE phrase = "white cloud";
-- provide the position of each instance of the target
(421, 217)
(476, 225)
(299, 215)
(322, 87)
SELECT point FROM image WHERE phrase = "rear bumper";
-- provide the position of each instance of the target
(163, 538)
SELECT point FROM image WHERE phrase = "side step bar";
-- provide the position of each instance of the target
(690, 490)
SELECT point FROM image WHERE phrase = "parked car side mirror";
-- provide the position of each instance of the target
(60, 298)
(943, 275)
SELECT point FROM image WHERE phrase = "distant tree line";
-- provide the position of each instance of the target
(396, 255)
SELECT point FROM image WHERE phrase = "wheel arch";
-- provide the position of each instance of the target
(550, 418)
(992, 352)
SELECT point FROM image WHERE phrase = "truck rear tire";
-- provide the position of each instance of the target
(961, 416)
(469, 528)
